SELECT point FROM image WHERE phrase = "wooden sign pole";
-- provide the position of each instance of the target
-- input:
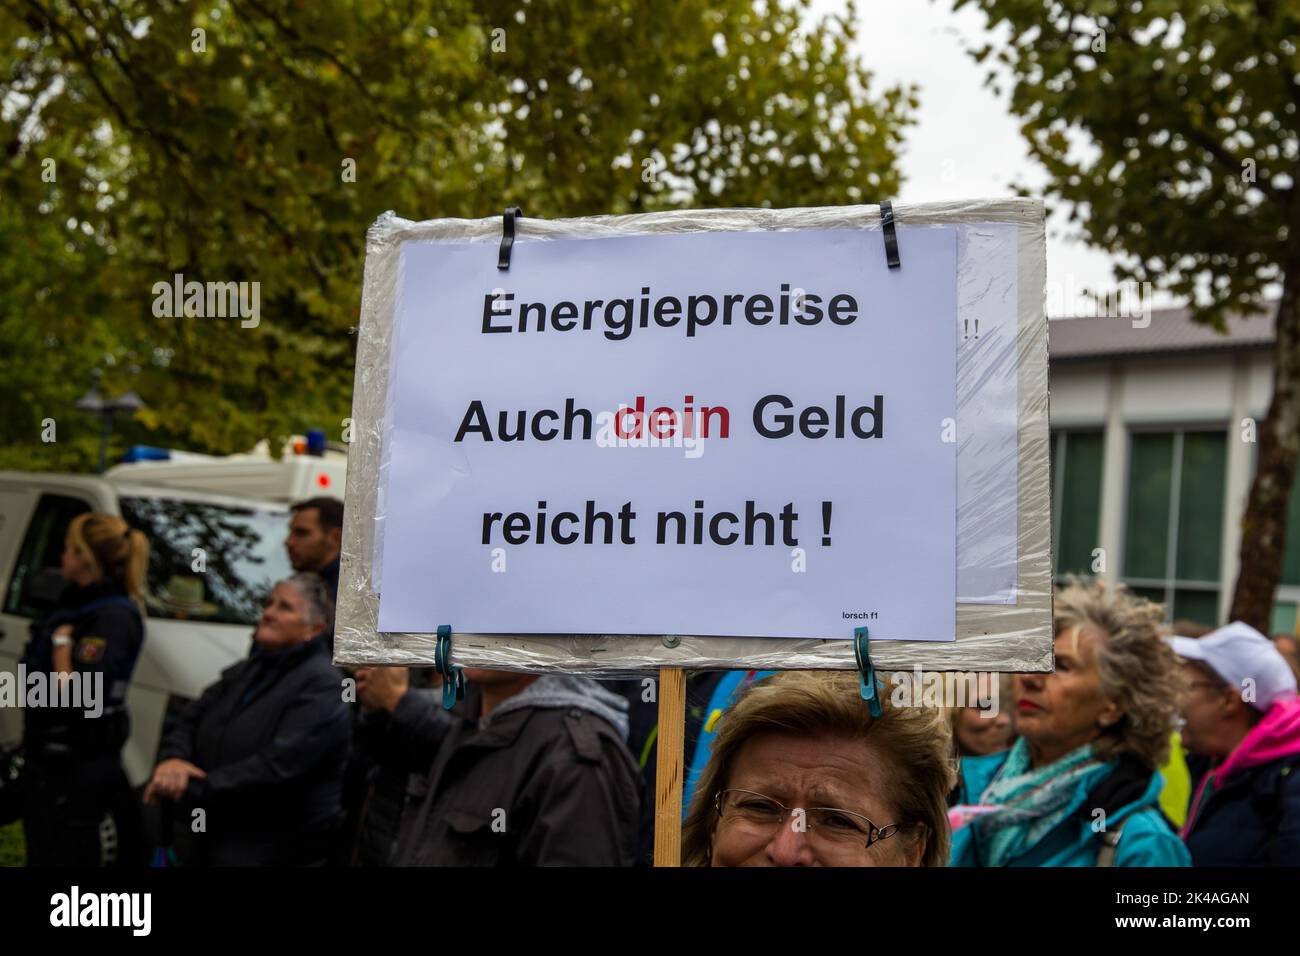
(670, 772)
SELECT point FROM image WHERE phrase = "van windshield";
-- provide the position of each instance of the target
(209, 562)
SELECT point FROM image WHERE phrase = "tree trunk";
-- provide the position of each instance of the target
(1263, 527)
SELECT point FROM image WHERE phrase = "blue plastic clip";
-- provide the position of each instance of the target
(453, 678)
(866, 672)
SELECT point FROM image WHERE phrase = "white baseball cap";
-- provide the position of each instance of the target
(1239, 653)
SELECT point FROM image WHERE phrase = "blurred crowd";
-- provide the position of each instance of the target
(1147, 745)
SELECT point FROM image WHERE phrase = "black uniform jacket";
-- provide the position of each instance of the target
(107, 635)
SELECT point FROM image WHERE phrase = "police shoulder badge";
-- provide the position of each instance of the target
(90, 649)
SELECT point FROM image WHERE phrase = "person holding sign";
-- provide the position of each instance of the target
(530, 771)
(802, 775)
(1092, 735)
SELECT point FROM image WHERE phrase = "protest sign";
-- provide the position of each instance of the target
(702, 439)
(716, 434)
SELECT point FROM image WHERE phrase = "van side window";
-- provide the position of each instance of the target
(36, 580)
(209, 562)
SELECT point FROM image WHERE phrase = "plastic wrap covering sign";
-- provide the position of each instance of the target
(702, 439)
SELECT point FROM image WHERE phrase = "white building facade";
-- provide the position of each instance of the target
(1155, 424)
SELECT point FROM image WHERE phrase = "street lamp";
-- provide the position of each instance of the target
(96, 404)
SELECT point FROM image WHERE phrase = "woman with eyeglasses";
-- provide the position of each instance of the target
(1080, 787)
(802, 775)
(1241, 713)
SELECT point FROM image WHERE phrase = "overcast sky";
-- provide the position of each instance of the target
(966, 144)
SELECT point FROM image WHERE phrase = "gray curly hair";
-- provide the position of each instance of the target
(1137, 668)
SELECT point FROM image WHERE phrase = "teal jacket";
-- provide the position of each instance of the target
(1146, 839)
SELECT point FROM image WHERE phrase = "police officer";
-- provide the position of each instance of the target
(78, 805)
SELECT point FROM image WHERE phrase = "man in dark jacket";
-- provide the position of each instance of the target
(1241, 713)
(261, 752)
(531, 771)
(314, 544)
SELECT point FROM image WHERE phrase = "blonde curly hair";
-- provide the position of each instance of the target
(1138, 669)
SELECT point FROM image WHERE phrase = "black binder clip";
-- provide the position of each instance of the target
(508, 236)
(453, 678)
(866, 672)
(891, 234)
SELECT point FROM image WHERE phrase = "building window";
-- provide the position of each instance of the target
(1076, 500)
(1174, 525)
(1284, 617)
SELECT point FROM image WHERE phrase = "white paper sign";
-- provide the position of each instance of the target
(648, 435)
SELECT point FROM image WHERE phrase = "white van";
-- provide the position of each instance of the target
(227, 516)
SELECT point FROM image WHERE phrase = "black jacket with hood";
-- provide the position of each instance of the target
(544, 780)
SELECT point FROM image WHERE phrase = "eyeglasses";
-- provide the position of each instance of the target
(842, 827)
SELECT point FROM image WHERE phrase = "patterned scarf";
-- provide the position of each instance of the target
(1031, 802)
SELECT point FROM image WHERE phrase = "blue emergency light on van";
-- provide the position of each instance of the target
(146, 453)
(316, 442)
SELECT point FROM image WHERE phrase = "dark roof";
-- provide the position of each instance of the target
(1170, 331)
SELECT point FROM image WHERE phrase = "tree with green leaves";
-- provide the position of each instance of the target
(256, 140)
(1169, 127)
